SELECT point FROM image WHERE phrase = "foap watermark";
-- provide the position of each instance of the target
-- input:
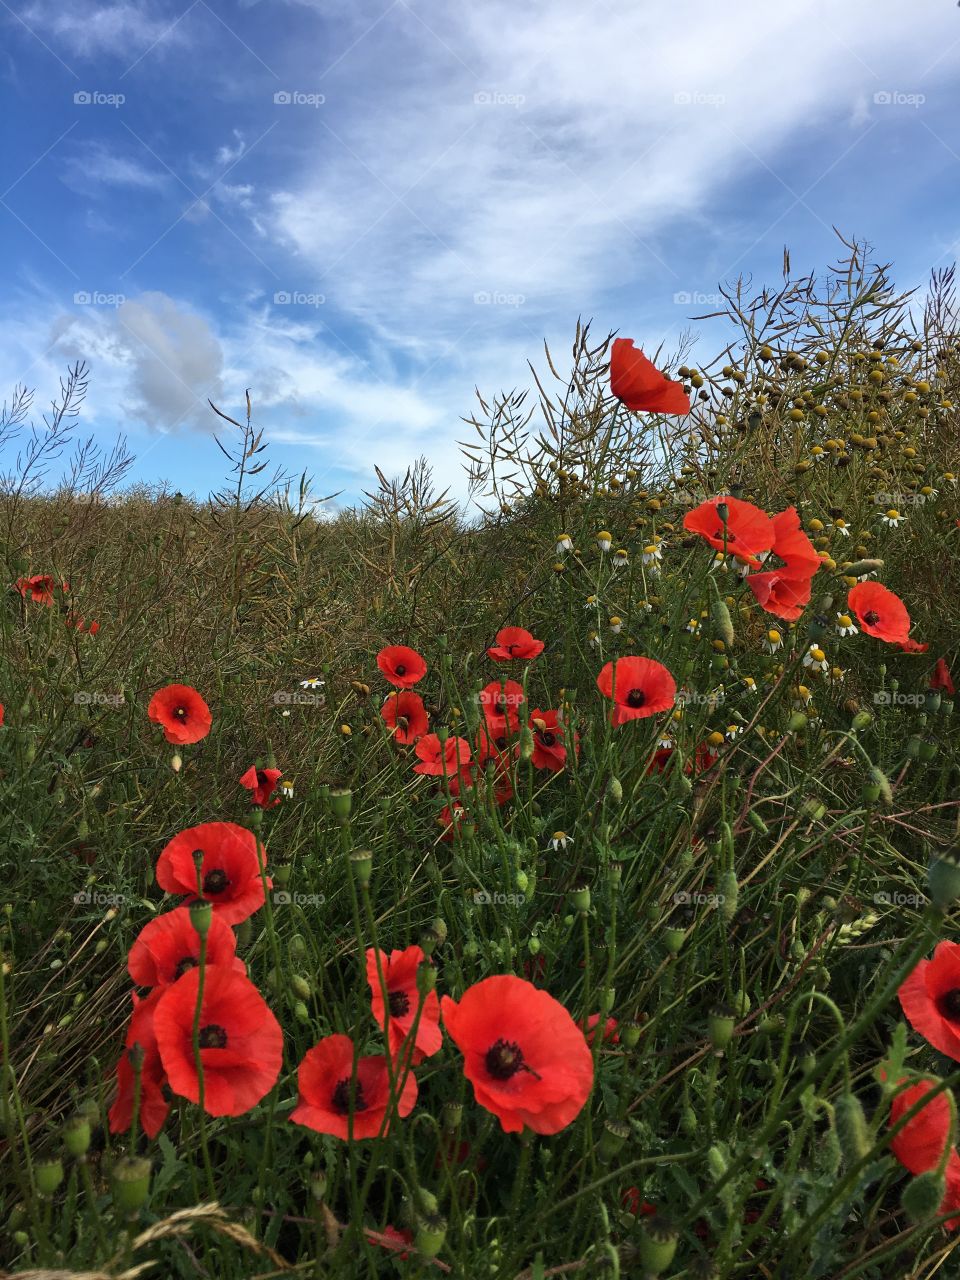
(684, 899)
(84, 698)
(94, 298)
(897, 98)
(899, 499)
(898, 899)
(298, 698)
(687, 298)
(693, 98)
(486, 298)
(294, 298)
(284, 898)
(297, 98)
(94, 98)
(894, 698)
(693, 698)
(494, 98)
(482, 898)
(91, 897)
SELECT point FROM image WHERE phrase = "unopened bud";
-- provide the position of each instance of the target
(923, 1195)
(49, 1174)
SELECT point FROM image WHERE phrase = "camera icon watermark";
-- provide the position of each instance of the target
(94, 98)
(481, 898)
(83, 698)
(486, 298)
(295, 298)
(94, 298)
(284, 898)
(692, 98)
(298, 698)
(894, 698)
(897, 98)
(297, 98)
(493, 98)
(684, 899)
(89, 897)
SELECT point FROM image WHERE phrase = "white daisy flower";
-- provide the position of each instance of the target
(652, 553)
(815, 659)
(286, 788)
(616, 625)
(560, 840)
(620, 559)
(750, 685)
(693, 626)
(564, 543)
(773, 641)
(891, 518)
(841, 527)
(604, 540)
(846, 625)
(803, 697)
(733, 731)
(313, 683)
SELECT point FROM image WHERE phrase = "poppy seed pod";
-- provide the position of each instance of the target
(612, 1139)
(430, 1234)
(76, 1136)
(341, 801)
(658, 1244)
(49, 1175)
(130, 1183)
(580, 898)
(361, 864)
(201, 913)
(720, 1024)
(673, 938)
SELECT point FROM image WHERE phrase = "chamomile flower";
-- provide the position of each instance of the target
(665, 744)
(594, 640)
(846, 625)
(891, 518)
(616, 625)
(927, 493)
(591, 602)
(815, 659)
(645, 605)
(750, 685)
(560, 840)
(620, 559)
(836, 675)
(733, 731)
(286, 788)
(693, 626)
(313, 683)
(950, 478)
(817, 454)
(604, 540)
(841, 527)
(564, 543)
(773, 641)
(652, 553)
(802, 697)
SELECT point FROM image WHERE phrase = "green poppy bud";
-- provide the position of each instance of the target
(728, 892)
(301, 987)
(673, 937)
(49, 1174)
(757, 822)
(852, 1131)
(201, 913)
(130, 1183)
(76, 1136)
(615, 791)
(861, 720)
(923, 1195)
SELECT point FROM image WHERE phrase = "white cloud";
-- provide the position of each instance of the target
(89, 29)
(94, 165)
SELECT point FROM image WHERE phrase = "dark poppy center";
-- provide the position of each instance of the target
(188, 962)
(871, 618)
(262, 778)
(731, 537)
(548, 739)
(180, 713)
(340, 1098)
(213, 1036)
(215, 881)
(504, 1059)
(399, 1004)
(636, 698)
(950, 1005)
(400, 669)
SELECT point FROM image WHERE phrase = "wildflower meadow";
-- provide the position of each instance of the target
(566, 891)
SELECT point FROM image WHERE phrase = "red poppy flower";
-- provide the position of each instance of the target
(639, 687)
(169, 945)
(880, 613)
(748, 529)
(919, 1144)
(609, 1030)
(930, 998)
(405, 716)
(241, 1044)
(39, 588)
(704, 757)
(549, 751)
(181, 711)
(77, 623)
(1, 713)
(939, 680)
(781, 593)
(229, 872)
(634, 1203)
(401, 666)
(513, 644)
(528, 1061)
(640, 384)
(500, 750)
(391, 1238)
(441, 759)
(449, 821)
(154, 1091)
(261, 784)
(501, 701)
(400, 975)
(785, 591)
(325, 1077)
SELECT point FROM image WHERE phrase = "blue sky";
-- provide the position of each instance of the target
(362, 211)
